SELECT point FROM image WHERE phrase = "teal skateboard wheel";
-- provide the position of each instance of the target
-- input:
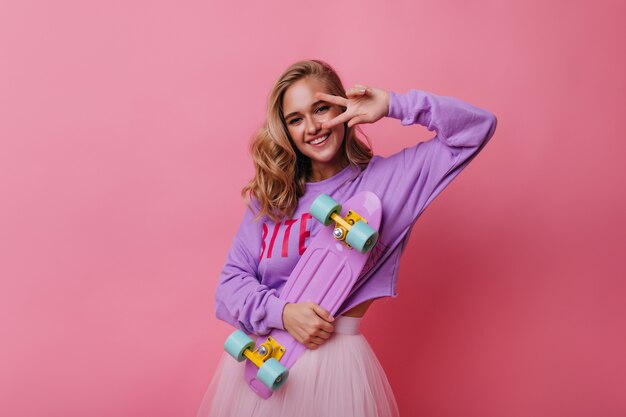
(323, 207)
(362, 237)
(237, 343)
(272, 374)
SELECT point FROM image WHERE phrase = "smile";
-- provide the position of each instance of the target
(319, 140)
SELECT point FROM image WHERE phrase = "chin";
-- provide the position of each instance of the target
(325, 158)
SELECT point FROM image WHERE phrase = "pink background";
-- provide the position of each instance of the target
(124, 131)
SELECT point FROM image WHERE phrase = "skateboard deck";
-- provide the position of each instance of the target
(325, 274)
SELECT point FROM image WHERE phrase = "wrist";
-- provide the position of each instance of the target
(387, 99)
(285, 313)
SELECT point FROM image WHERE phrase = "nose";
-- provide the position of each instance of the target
(312, 126)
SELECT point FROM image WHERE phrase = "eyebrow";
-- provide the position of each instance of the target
(312, 105)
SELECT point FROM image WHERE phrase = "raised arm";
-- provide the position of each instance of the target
(457, 123)
(409, 180)
(462, 130)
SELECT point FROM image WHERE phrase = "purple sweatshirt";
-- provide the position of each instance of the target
(264, 252)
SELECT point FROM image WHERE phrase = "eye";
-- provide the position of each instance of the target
(293, 121)
(323, 108)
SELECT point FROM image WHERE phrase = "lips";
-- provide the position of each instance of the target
(319, 140)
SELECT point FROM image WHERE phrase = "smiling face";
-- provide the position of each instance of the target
(304, 115)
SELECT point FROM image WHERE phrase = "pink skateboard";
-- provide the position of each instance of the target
(325, 275)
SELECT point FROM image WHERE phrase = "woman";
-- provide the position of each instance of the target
(308, 146)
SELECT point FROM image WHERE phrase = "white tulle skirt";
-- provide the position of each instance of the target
(342, 378)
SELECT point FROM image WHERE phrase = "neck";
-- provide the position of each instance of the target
(322, 171)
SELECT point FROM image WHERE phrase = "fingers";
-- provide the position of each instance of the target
(332, 99)
(324, 325)
(322, 312)
(349, 116)
(342, 118)
(357, 90)
(324, 331)
(323, 334)
(314, 342)
(310, 324)
(354, 121)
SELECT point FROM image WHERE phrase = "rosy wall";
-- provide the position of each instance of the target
(124, 129)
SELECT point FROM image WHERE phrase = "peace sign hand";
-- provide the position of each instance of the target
(363, 105)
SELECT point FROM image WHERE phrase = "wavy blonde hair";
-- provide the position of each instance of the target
(280, 168)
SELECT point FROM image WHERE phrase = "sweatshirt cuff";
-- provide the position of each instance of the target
(409, 107)
(395, 109)
(274, 308)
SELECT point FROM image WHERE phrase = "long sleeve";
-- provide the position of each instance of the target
(408, 181)
(240, 298)
(415, 176)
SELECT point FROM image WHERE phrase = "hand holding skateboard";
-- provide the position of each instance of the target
(308, 323)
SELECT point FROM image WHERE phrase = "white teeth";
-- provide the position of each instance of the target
(319, 140)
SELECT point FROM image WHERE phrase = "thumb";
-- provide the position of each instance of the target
(321, 311)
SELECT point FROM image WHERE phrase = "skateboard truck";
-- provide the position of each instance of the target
(352, 229)
(266, 357)
(269, 349)
(344, 224)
